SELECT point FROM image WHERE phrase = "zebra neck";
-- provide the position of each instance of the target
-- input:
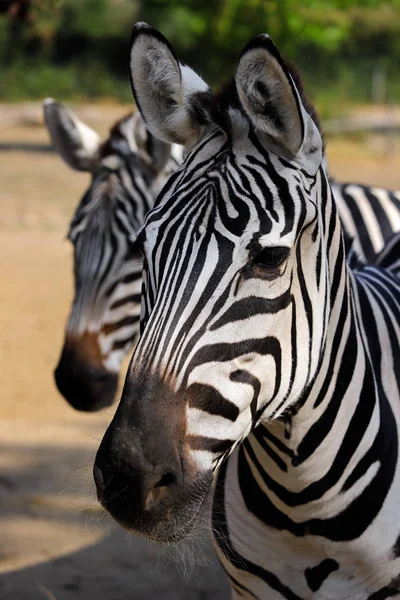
(309, 435)
(319, 443)
(315, 470)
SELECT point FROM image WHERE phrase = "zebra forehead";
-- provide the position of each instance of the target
(219, 195)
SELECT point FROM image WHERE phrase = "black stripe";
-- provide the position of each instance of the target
(223, 539)
(208, 399)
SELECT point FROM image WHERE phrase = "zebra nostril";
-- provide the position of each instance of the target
(159, 491)
(99, 481)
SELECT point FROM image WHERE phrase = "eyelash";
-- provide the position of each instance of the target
(270, 258)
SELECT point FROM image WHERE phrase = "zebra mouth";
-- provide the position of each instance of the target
(85, 386)
(201, 512)
(171, 524)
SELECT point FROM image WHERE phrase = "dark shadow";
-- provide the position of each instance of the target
(115, 569)
(109, 564)
(25, 147)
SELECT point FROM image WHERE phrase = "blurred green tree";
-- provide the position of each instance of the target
(80, 47)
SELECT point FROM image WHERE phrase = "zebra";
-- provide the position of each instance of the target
(266, 379)
(98, 336)
(370, 215)
(128, 169)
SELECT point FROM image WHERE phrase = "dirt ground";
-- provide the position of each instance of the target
(55, 542)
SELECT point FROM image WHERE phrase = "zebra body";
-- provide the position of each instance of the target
(370, 215)
(317, 499)
(262, 354)
(128, 170)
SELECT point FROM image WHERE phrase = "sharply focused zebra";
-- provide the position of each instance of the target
(128, 170)
(260, 346)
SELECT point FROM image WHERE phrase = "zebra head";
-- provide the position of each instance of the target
(127, 171)
(236, 281)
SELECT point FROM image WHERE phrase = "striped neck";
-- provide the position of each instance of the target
(333, 453)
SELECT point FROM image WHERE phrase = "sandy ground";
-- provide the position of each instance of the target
(55, 542)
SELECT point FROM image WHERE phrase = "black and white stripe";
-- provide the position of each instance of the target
(260, 345)
(370, 215)
(128, 169)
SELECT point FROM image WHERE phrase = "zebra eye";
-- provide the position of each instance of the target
(271, 257)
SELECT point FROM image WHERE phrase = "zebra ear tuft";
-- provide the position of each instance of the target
(76, 143)
(272, 102)
(165, 90)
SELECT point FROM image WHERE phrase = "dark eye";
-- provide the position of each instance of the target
(271, 257)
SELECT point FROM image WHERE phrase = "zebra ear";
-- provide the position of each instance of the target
(169, 95)
(273, 103)
(155, 152)
(76, 143)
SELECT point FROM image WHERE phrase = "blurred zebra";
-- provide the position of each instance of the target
(370, 215)
(128, 169)
(260, 345)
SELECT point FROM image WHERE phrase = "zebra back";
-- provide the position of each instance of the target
(370, 215)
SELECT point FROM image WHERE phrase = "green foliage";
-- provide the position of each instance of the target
(336, 43)
(67, 48)
(79, 48)
(71, 82)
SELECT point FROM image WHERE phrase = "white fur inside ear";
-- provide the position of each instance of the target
(191, 82)
(157, 85)
(158, 68)
(267, 97)
(76, 143)
(90, 140)
(163, 89)
(128, 129)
